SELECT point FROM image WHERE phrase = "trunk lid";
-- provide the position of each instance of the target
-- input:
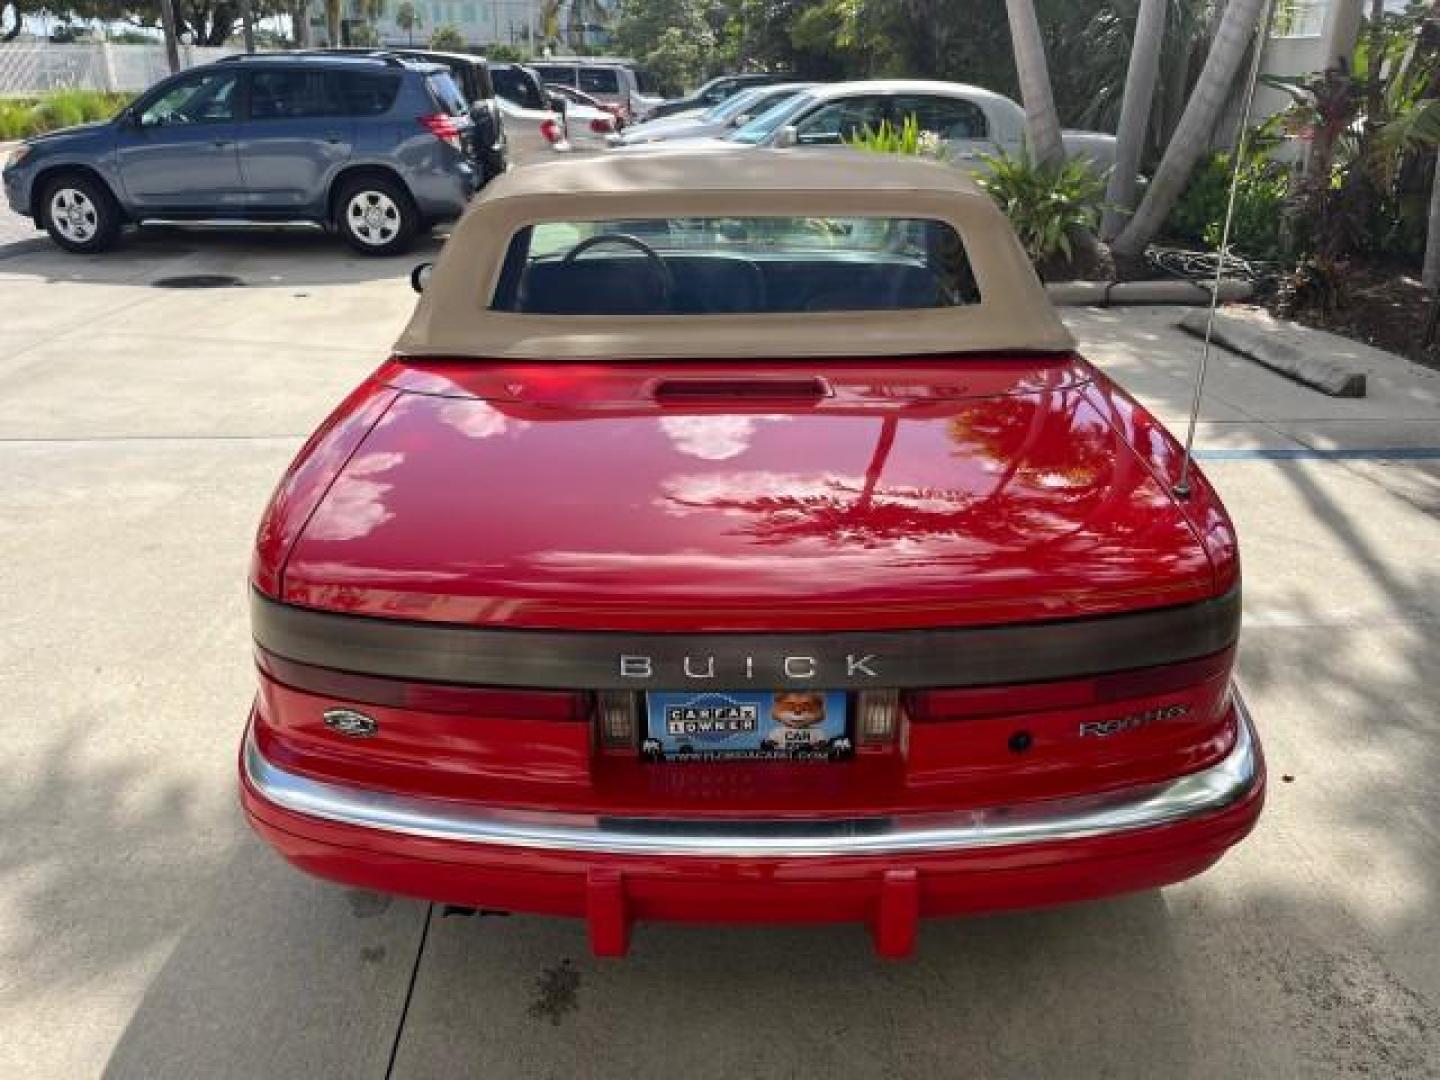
(745, 497)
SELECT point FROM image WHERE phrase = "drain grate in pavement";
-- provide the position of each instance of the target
(197, 281)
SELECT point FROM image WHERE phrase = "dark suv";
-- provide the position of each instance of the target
(376, 147)
(472, 75)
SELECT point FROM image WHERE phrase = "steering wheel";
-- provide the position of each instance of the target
(662, 271)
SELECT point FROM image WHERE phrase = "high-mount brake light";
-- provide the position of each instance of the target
(443, 127)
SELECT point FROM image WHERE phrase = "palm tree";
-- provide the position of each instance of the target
(548, 15)
(172, 41)
(332, 22)
(1197, 124)
(1134, 114)
(300, 23)
(407, 18)
(1042, 122)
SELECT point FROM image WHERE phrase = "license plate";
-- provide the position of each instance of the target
(781, 725)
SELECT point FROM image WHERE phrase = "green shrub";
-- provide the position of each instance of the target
(14, 120)
(21, 118)
(1199, 215)
(1044, 202)
(448, 39)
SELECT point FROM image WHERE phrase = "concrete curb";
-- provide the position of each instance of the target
(1262, 343)
(1168, 291)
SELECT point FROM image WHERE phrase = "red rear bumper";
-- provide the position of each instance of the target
(886, 873)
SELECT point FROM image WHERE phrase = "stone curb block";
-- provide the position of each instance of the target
(1267, 349)
(1171, 291)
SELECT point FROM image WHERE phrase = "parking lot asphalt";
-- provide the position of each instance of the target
(145, 933)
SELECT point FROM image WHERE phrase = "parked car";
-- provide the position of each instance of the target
(733, 112)
(753, 546)
(579, 97)
(535, 126)
(713, 92)
(611, 81)
(969, 120)
(374, 147)
(472, 76)
(588, 125)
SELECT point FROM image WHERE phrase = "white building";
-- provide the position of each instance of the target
(482, 23)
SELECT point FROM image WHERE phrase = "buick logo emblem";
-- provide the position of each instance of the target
(349, 722)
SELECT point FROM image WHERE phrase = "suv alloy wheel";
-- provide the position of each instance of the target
(80, 214)
(376, 216)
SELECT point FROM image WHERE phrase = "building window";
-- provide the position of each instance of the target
(1300, 18)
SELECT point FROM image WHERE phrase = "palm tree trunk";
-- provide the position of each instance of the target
(247, 25)
(1134, 114)
(1197, 124)
(172, 40)
(1430, 276)
(1042, 122)
(300, 24)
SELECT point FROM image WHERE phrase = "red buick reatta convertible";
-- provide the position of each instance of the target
(740, 538)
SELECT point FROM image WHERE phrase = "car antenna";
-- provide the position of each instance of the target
(1237, 154)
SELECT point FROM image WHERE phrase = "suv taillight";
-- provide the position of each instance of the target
(443, 127)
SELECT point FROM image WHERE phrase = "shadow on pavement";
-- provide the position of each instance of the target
(277, 976)
(259, 259)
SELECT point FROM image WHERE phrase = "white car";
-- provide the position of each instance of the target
(534, 129)
(969, 120)
(589, 123)
(732, 113)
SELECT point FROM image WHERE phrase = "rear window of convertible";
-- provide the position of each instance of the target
(734, 266)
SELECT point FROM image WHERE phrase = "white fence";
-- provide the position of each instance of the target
(34, 67)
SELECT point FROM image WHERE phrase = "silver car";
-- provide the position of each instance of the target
(969, 120)
(717, 120)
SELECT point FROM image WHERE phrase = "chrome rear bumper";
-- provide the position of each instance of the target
(1207, 791)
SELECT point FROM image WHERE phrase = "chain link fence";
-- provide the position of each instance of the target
(31, 68)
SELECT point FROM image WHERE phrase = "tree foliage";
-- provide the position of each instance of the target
(675, 39)
(447, 39)
(202, 22)
(1087, 43)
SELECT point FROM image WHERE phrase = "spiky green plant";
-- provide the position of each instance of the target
(1044, 203)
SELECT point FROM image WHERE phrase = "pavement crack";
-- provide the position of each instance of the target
(409, 993)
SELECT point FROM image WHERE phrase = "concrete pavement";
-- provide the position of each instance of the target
(145, 933)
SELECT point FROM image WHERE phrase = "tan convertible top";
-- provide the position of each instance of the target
(454, 317)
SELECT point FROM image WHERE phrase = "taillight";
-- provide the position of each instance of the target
(602, 125)
(551, 130)
(487, 701)
(443, 126)
(981, 701)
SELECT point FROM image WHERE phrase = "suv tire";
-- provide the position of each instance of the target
(376, 216)
(80, 214)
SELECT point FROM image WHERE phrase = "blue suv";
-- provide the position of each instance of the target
(375, 147)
